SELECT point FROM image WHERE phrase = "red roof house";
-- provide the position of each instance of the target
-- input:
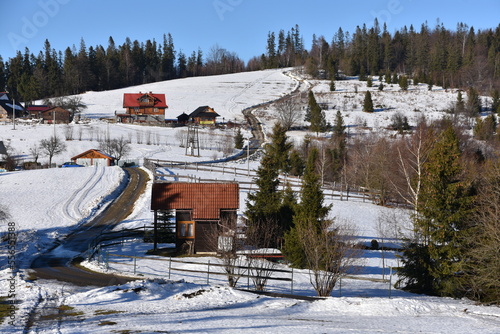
(143, 107)
(199, 208)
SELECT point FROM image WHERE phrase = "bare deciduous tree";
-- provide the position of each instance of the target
(260, 237)
(35, 151)
(289, 113)
(223, 239)
(118, 147)
(52, 146)
(68, 132)
(482, 274)
(330, 253)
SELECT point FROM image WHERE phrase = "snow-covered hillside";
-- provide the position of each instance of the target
(226, 94)
(44, 205)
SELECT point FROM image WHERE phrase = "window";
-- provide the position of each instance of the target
(186, 229)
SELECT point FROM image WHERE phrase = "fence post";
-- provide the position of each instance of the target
(169, 266)
(390, 281)
(291, 288)
(208, 273)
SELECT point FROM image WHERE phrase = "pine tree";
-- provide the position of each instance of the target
(338, 126)
(3, 79)
(460, 105)
(279, 148)
(432, 262)
(339, 146)
(238, 140)
(332, 85)
(309, 210)
(495, 103)
(369, 82)
(473, 105)
(403, 83)
(368, 103)
(316, 115)
(269, 205)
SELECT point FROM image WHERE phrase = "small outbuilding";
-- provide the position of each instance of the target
(204, 115)
(56, 115)
(35, 111)
(8, 107)
(200, 209)
(94, 157)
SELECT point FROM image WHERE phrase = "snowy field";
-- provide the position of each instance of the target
(45, 205)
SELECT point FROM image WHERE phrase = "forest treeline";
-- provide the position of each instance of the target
(459, 58)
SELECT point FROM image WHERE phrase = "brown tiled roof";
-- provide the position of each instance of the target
(132, 100)
(205, 199)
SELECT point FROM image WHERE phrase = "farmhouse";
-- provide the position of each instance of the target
(143, 107)
(93, 157)
(35, 111)
(201, 209)
(6, 107)
(56, 115)
(203, 115)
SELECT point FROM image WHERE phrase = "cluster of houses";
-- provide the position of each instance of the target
(150, 107)
(139, 108)
(199, 208)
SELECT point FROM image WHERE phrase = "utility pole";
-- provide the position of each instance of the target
(14, 112)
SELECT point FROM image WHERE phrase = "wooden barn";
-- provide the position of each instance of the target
(35, 111)
(143, 107)
(94, 157)
(203, 115)
(57, 115)
(7, 109)
(200, 209)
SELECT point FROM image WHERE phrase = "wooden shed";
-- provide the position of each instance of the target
(94, 157)
(199, 209)
(204, 115)
(57, 115)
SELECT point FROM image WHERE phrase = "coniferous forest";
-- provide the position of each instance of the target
(459, 58)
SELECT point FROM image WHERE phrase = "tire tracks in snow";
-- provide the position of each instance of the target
(71, 208)
(232, 100)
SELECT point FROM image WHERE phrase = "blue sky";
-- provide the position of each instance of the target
(236, 25)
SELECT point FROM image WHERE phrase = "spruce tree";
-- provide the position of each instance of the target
(238, 140)
(403, 83)
(473, 105)
(269, 205)
(433, 261)
(368, 103)
(332, 85)
(495, 103)
(316, 115)
(279, 148)
(311, 209)
(460, 105)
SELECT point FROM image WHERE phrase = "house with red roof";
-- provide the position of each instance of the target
(143, 107)
(200, 209)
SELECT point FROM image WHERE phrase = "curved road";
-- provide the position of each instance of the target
(56, 262)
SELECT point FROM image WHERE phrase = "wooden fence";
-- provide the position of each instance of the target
(330, 189)
(212, 269)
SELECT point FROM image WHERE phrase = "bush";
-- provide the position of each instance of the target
(399, 122)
